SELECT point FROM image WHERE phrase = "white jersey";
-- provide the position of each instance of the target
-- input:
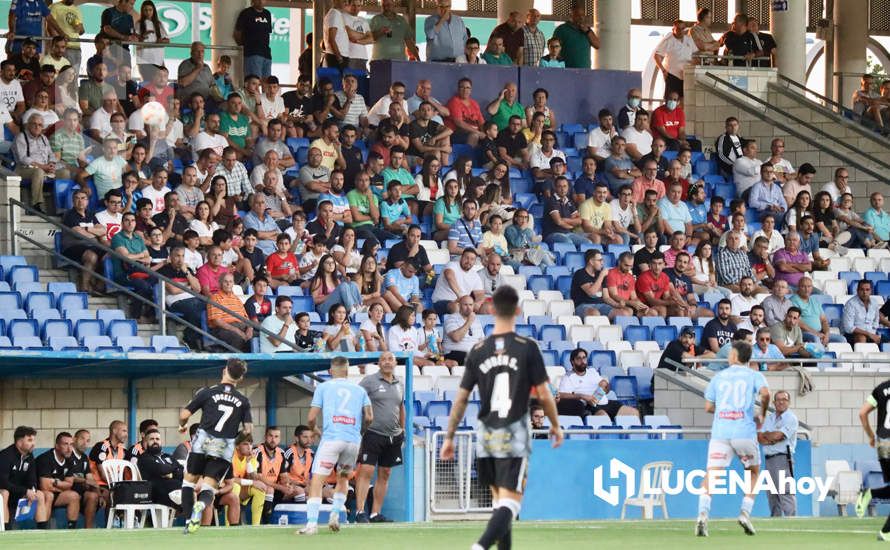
(112, 222)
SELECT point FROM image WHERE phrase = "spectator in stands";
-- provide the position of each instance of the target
(338, 334)
(314, 180)
(372, 328)
(195, 77)
(719, 330)
(409, 249)
(738, 41)
(329, 288)
(465, 118)
(675, 216)
(281, 265)
(596, 217)
(274, 141)
(18, 478)
(370, 283)
(840, 184)
(404, 336)
(862, 234)
(649, 214)
(536, 413)
(92, 90)
(764, 349)
(766, 195)
(583, 391)
(669, 121)
(445, 34)
(657, 154)
(424, 93)
(346, 252)
(13, 97)
(764, 44)
(884, 315)
(877, 218)
(809, 243)
(599, 139)
(69, 19)
(677, 245)
(392, 35)
(462, 329)
(860, 321)
(732, 263)
(542, 155)
(209, 138)
(282, 325)
(683, 347)
(646, 181)
(395, 214)
(459, 279)
(625, 222)
(813, 322)
(704, 276)
(209, 273)
(672, 55)
(403, 287)
(41, 105)
(505, 106)
(512, 35)
(791, 263)
(522, 240)
(237, 181)
(755, 321)
(223, 325)
(554, 58)
(776, 305)
(801, 207)
(620, 289)
(744, 300)
(649, 248)
(767, 230)
(471, 53)
(654, 288)
(156, 192)
(429, 137)
(539, 105)
(512, 145)
(253, 29)
(80, 246)
(341, 212)
(867, 103)
(324, 226)
(35, 159)
(793, 186)
(577, 37)
(784, 169)
(787, 336)
(729, 148)
(747, 169)
(495, 53)
(638, 137)
(466, 232)
(380, 110)
(68, 145)
(561, 217)
(235, 125)
(26, 61)
(179, 301)
(260, 220)
(490, 274)
(132, 247)
(588, 290)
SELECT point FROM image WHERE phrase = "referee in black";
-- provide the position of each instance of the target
(382, 443)
(505, 367)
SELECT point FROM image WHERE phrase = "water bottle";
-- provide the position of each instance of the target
(319, 344)
(598, 394)
(433, 344)
(361, 342)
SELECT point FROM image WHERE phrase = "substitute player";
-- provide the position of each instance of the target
(347, 412)
(730, 395)
(223, 410)
(877, 400)
(506, 367)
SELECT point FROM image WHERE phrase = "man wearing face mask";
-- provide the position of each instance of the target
(628, 113)
(669, 122)
(159, 468)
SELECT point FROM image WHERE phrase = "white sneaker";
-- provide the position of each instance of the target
(334, 522)
(745, 522)
(309, 530)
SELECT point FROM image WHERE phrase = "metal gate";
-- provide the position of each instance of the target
(453, 485)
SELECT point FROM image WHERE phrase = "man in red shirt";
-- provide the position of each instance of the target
(669, 122)
(619, 291)
(282, 265)
(159, 88)
(209, 273)
(655, 288)
(466, 116)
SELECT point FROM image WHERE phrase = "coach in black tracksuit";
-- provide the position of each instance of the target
(159, 468)
(18, 475)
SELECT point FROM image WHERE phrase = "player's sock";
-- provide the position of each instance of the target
(267, 508)
(886, 527)
(188, 496)
(312, 506)
(206, 497)
(704, 505)
(747, 505)
(339, 503)
(506, 541)
(72, 524)
(500, 521)
(881, 493)
(43, 525)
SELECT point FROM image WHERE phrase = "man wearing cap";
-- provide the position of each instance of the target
(46, 83)
(27, 64)
(778, 435)
(681, 348)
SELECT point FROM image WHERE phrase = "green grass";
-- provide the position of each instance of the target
(830, 533)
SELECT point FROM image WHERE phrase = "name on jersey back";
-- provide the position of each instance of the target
(227, 397)
(498, 361)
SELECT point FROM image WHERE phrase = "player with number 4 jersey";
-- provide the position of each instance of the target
(346, 412)
(223, 411)
(880, 440)
(505, 367)
(731, 396)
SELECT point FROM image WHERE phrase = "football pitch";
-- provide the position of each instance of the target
(771, 533)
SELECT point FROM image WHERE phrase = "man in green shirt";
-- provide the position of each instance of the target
(236, 127)
(130, 245)
(506, 105)
(495, 53)
(813, 322)
(365, 207)
(396, 171)
(577, 38)
(392, 35)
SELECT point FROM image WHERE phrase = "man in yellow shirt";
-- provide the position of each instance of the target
(70, 20)
(596, 217)
(247, 483)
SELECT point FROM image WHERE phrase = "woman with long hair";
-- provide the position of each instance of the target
(492, 204)
(447, 209)
(203, 224)
(370, 283)
(223, 208)
(338, 335)
(705, 278)
(801, 207)
(404, 336)
(150, 29)
(826, 222)
(139, 164)
(329, 288)
(500, 174)
(372, 329)
(429, 183)
(862, 235)
(345, 253)
(66, 90)
(539, 105)
(524, 243)
(462, 172)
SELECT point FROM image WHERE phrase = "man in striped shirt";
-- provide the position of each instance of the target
(224, 325)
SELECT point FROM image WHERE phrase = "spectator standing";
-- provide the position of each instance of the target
(195, 77)
(26, 18)
(729, 147)
(445, 34)
(149, 29)
(70, 21)
(778, 435)
(701, 33)
(672, 55)
(253, 29)
(118, 25)
(738, 42)
(861, 318)
(554, 57)
(392, 35)
(359, 32)
(577, 37)
(533, 40)
(495, 53)
(512, 34)
(764, 46)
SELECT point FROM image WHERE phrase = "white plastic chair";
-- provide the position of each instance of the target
(581, 333)
(608, 333)
(878, 253)
(557, 308)
(650, 494)
(115, 471)
(534, 307)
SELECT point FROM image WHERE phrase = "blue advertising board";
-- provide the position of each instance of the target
(589, 479)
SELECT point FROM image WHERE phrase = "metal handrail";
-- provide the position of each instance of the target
(727, 57)
(128, 43)
(638, 430)
(140, 267)
(789, 82)
(847, 159)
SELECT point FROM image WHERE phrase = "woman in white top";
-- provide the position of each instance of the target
(66, 92)
(404, 336)
(203, 224)
(150, 29)
(539, 105)
(429, 183)
(768, 230)
(801, 207)
(705, 278)
(348, 258)
(44, 109)
(372, 330)
(338, 335)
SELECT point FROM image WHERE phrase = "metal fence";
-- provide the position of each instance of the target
(453, 485)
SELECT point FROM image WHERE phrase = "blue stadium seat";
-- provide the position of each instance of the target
(876, 276)
(670, 427)
(94, 342)
(22, 327)
(472, 410)
(438, 408)
(601, 358)
(56, 327)
(527, 331)
(36, 301)
(540, 320)
(725, 190)
(636, 333)
(72, 300)
(10, 300)
(652, 322)
(550, 357)
(557, 270)
(625, 388)
(551, 333)
(122, 327)
(59, 343)
(7, 262)
(160, 342)
(606, 435)
(529, 271)
(574, 260)
(834, 313)
(564, 285)
(537, 283)
(59, 287)
(643, 432)
(22, 274)
(664, 335)
(849, 276)
(129, 343)
(591, 346)
(625, 321)
(88, 327)
(644, 381)
(109, 315)
(292, 291)
(679, 322)
(31, 343)
(421, 423)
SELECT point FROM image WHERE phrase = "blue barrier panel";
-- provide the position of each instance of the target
(562, 483)
(488, 80)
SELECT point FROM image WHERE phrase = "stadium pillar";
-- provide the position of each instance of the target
(224, 13)
(132, 405)
(612, 25)
(409, 438)
(850, 43)
(10, 188)
(507, 6)
(271, 401)
(319, 9)
(789, 28)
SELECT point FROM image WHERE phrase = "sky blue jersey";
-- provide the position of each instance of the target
(342, 404)
(733, 392)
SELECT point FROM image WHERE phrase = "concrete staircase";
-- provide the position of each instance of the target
(41, 232)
